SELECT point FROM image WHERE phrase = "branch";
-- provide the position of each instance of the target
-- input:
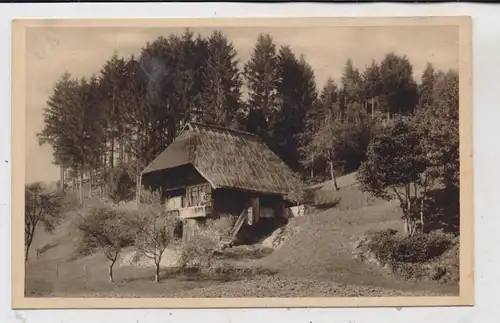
(400, 198)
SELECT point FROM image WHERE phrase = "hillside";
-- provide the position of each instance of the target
(316, 261)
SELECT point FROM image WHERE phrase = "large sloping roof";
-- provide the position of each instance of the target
(227, 158)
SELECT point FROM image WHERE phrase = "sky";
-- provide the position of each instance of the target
(81, 51)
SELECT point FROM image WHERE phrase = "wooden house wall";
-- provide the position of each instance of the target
(172, 181)
(229, 202)
(233, 202)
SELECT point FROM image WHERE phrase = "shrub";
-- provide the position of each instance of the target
(391, 247)
(433, 255)
(221, 269)
(325, 200)
(221, 226)
(198, 250)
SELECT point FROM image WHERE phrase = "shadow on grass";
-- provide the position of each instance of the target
(223, 273)
(443, 208)
(46, 248)
(240, 252)
(324, 205)
(166, 273)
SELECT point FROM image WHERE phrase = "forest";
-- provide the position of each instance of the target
(380, 120)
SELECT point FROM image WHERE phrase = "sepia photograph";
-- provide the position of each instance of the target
(242, 162)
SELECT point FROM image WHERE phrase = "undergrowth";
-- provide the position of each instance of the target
(431, 256)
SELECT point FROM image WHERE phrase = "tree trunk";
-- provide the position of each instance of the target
(422, 214)
(312, 165)
(373, 108)
(61, 180)
(78, 184)
(413, 227)
(104, 159)
(110, 271)
(157, 272)
(112, 156)
(27, 251)
(81, 187)
(138, 190)
(120, 151)
(334, 178)
(91, 178)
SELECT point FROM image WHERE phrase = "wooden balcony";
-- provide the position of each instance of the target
(193, 212)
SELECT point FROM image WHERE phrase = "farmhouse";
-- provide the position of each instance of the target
(209, 172)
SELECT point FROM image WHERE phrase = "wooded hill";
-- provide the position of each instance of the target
(110, 126)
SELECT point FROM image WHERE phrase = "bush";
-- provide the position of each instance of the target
(198, 250)
(325, 200)
(221, 226)
(433, 255)
(390, 247)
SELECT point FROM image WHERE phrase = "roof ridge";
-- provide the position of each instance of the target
(224, 129)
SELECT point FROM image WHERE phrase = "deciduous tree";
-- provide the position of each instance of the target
(153, 229)
(103, 231)
(396, 167)
(41, 208)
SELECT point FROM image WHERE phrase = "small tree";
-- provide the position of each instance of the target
(40, 208)
(324, 143)
(153, 229)
(396, 167)
(103, 231)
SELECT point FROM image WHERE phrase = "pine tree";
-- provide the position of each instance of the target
(399, 89)
(221, 91)
(427, 87)
(372, 87)
(56, 116)
(296, 93)
(261, 75)
(112, 82)
(329, 98)
(72, 125)
(351, 95)
(351, 83)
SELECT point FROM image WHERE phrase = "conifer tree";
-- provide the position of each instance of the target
(372, 87)
(427, 87)
(112, 81)
(399, 89)
(296, 93)
(220, 95)
(261, 75)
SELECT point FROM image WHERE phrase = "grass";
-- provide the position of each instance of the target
(316, 261)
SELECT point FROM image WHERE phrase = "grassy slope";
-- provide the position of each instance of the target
(317, 261)
(321, 250)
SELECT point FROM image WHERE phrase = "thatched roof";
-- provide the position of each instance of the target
(227, 159)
